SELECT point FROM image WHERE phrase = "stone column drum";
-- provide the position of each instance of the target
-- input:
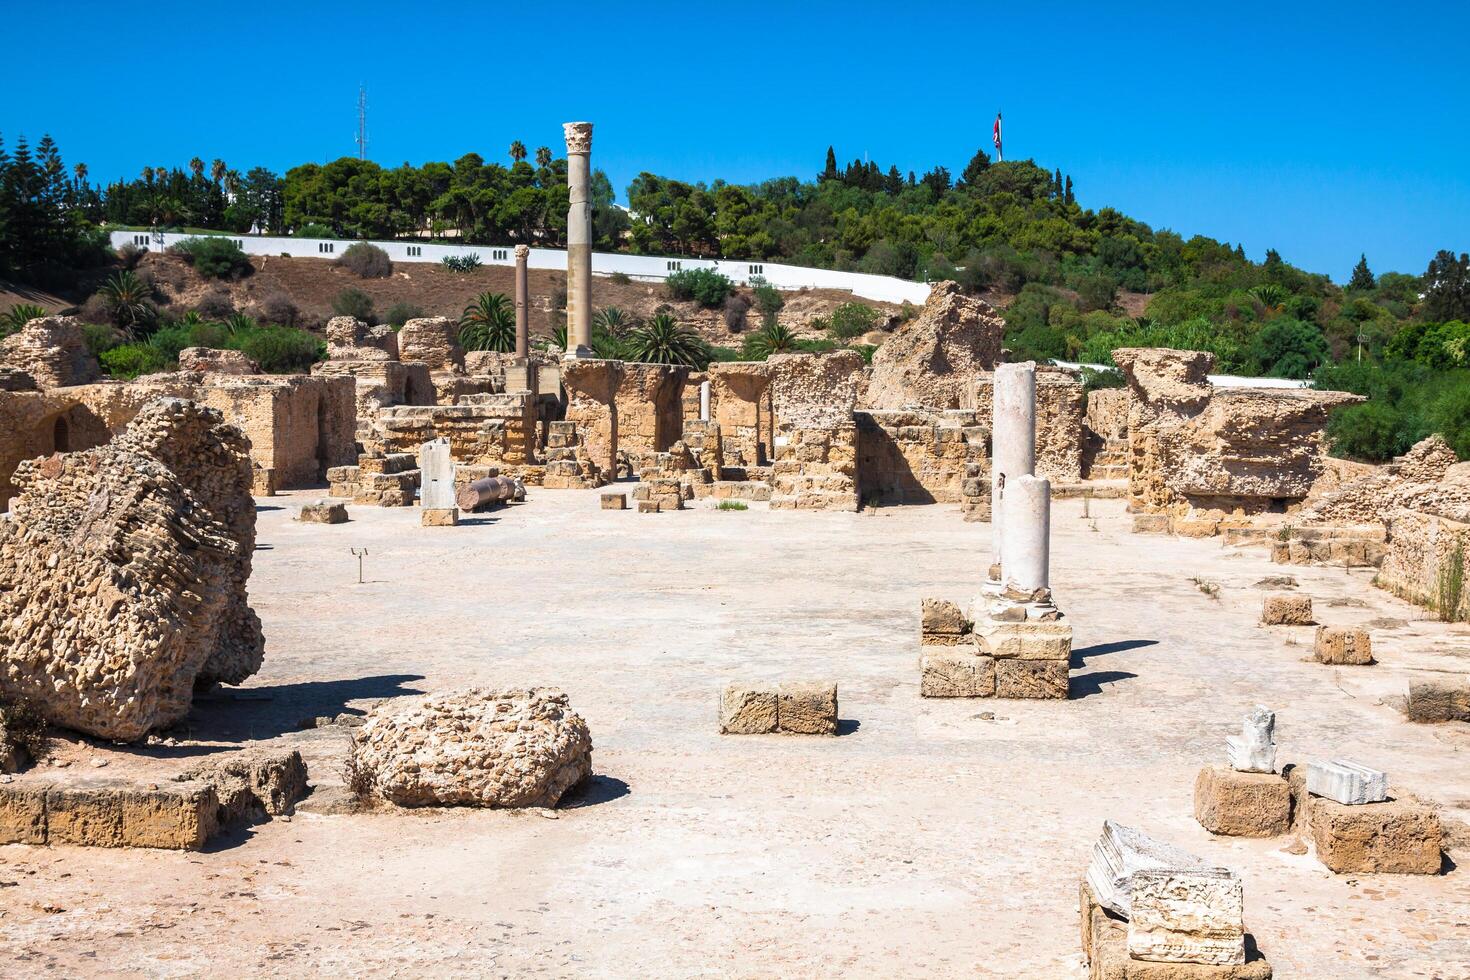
(1026, 536)
(523, 313)
(579, 239)
(1013, 443)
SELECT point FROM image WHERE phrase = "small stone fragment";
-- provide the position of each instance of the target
(1286, 609)
(323, 512)
(1343, 645)
(1254, 749)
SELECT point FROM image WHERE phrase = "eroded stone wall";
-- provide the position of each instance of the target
(1059, 422)
(918, 457)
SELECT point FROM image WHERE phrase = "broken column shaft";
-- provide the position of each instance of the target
(1012, 440)
(579, 238)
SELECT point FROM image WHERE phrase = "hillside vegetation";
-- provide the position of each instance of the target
(1078, 282)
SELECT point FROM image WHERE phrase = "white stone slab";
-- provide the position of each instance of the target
(436, 476)
(1347, 782)
(1195, 916)
(1120, 853)
(1254, 749)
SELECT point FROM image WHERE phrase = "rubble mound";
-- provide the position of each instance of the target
(349, 339)
(208, 360)
(935, 358)
(512, 748)
(1421, 479)
(123, 572)
(53, 351)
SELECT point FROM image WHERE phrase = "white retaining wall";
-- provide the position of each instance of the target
(651, 268)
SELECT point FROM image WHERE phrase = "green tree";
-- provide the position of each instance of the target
(1447, 287)
(1362, 277)
(1288, 348)
(517, 151)
(489, 323)
(978, 164)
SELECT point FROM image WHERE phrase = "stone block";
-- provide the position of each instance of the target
(263, 481)
(1395, 837)
(1151, 523)
(747, 710)
(180, 817)
(1432, 701)
(84, 816)
(1105, 946)
(1242, 804)
(1286, 609)
(1031, 678)
(1343, 645)
(615, 501)
(1024, 640)
(942, 623)
(323, 512)
(1254, 749)
(1194, 916)
(955, 672)
(807, 708)
(648, 507)
(22, 814)
(439, 517)
(1347, 782)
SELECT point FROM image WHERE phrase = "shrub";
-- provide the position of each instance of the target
(489, 323)
(1450, 582)
(367, 260)
(314, 229)
(215, 304)
(867, 351)
(18, 316)
(213, 257)
(462, 263)
(280, 350)
(614, 321)
(852, 320)
(174, 337)
(400, 313)
(24, 726)
(736, 307)
(100, 337)
(129, 303)
(767, 298)
(773, 338)
(620, 278)
(663, 340)
(278, 307)
(731, 505)
(1093, 379)
(130, 255)
(706, 287)
(128, 361)
(1372, 431)
(355, 302)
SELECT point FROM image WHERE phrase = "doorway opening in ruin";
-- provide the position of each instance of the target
(61, 435)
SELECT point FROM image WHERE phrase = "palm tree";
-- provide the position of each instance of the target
(80, 171)
(489, 323)
(774, 338)
(128, 300)
(196, 167)
(217, 170)
(543, 157)
(613, 321)
(147, 175)
(517, 151)
(232, 181)
(663, 340)
(1270, 295)
(18, 316)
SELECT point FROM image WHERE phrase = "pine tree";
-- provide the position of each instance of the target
(1068, 197)
(829, 172)
(893, 183)
(1362, 275)
(1058, 191)
(977, 165)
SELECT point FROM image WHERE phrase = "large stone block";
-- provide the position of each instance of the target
(1347, 782)
(1344, 645)
(955, 672)
(22, 814)
(1242, 804)
(323, 512)
(1432, 701)
(1192, 916)
(747, 709)
(807, 708)
(439, 517)
(1024, 640)
(1397, 837)
(942, 623)
(615, 501)
(1286, 609)
(179, 817)
(1105, 946)
(1034, 679)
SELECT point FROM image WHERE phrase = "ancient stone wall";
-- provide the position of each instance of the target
(649, 402)
(935, 359)
(740, 404)
(817, 469)
(207, 360)
(1426, 552)
(799, 381)
(1059, 418)
(53, 351)
(486, 430)
(917, 457)
(123, 572)
(434, 341)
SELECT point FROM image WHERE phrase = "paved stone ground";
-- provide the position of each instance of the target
(926, 840)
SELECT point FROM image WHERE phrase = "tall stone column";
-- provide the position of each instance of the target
(523, 313)
(1012, 445)
(579, 239)
(1027, 532)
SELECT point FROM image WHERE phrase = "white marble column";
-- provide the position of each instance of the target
(1012, 442)
(1027, 536)
(579, 238)
(704, 401)
(523, 313)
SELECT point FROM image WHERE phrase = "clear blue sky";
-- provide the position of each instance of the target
(1321, 130)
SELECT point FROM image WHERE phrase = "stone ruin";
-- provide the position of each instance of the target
(123, 572)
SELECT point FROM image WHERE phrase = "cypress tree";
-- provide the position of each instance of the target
(1067, 196)
(1362, 275)
(829, 172)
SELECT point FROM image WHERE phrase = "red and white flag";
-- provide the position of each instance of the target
(995, 134)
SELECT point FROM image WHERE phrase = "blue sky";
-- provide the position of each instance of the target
(1322, 130)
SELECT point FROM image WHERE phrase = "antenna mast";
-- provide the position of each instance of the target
(362, 123)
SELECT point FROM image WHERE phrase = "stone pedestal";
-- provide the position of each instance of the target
(579, 239)
(1286, 609)
(1105, 946)
(1343, 645)
(1397, 837)
(436, 476)
(439, 516)
(1242, 804)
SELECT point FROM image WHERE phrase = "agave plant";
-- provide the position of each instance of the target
(18, 316)
(489, 323)
(128, 300)
(774, 338)
(614, 321)
(238, 323)
(663, 340)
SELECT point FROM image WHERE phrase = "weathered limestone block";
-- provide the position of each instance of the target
(23, 813)
(323, 512)
(253, 784)
(439, 517)
(1286, 609)
(807, 708)
(477, 747)
(1105, 945)
(1398, 837)
(1120, 853)
(942, 623)
(935, 358)
(123, 572)
(615, 501)
(1031, 678)
(801, 380)
(1242, 804)
(1041, 640)
(649, 507)
(1347, 782)
(748, 710)
(53, 351)
(348, 338)
(1187, 916)
(434, 341)
(955, 672)
(1347, 645)
(109, 813)
(1254, 749)
(1432, 701)
(207, 360)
